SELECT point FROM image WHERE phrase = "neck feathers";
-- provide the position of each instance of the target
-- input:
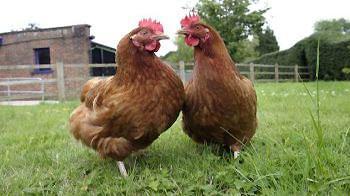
(214, 47)
(214, 52)
(130, 57)
(134, 64)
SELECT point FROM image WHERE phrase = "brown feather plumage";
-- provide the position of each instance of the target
(128, 111)
(220, 104)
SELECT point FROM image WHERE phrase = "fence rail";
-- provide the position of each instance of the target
(9, 93)
(255, 72)
(259, 72)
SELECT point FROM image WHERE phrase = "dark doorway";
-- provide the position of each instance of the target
(101, 54)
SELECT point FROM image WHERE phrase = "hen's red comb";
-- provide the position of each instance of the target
(152, 24)
(188, 20)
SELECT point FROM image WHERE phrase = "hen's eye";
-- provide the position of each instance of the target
(144, 33)
(198, 27)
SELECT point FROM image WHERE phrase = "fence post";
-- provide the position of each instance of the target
(296, 73)
(276, 73)
(60, 81)
(182, 71)
(251, 72)
(8, 90)
(42, 90)
(86, 76)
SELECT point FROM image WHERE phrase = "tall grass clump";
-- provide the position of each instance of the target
(317, 174)
(314, 159)
(316, 122)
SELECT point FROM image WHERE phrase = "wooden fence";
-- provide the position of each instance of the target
(258, 72)
(61, 79)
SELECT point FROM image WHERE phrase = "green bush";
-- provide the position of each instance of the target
(334, 56)
(346, 71)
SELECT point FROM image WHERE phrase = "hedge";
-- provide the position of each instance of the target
(334, 56)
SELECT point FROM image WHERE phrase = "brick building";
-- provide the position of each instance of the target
(68, 45)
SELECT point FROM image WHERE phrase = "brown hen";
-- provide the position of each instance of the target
(220, 104)
(127, 112)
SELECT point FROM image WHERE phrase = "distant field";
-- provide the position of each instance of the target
(39, 156)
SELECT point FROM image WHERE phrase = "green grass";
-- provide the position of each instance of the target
(39, 156)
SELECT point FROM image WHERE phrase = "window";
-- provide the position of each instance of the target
(42, 56)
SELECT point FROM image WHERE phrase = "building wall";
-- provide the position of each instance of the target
(68, 45)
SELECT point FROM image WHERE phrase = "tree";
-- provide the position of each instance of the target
(183, 52)
(333, 30)
(247, 49)
(267, 42)
(340, 26)
(234, 21)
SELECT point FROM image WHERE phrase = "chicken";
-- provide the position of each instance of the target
(220, 104)
(128, 111)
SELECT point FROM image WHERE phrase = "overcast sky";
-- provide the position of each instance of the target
(291, 20)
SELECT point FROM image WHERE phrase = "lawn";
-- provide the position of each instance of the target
(39, 156)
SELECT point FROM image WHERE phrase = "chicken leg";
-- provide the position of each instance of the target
(122, 169)
(236, 149)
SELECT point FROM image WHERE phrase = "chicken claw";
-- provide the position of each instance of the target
(122, 169)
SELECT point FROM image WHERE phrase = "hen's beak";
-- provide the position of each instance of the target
(183, 32)
(160, 37)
